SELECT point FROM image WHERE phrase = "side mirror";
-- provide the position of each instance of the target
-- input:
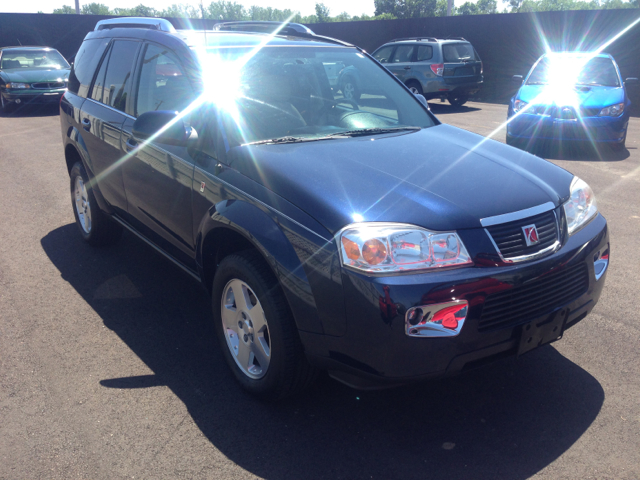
(517, 79)
(422, 100)
(150, 123)
(631, 81)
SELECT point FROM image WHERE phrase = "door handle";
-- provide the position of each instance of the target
(86, 124)
(130, 145)
(407, 68)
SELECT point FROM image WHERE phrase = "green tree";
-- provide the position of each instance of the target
(406, 8)
(181, 11)
(468, 8)
(64, 10)
(486, 7)
(225, 10)
(322, 13)
(139, 11)
(95, 9)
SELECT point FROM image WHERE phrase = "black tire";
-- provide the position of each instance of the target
(620, 147)
(512, 141)
(415, 87)
(457, 100)
(5, 107)
(100, 229)
(288, 370)
(350, 89)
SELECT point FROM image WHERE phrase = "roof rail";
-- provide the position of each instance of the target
(136, 22)
(428, 39)
(453, 38)
(294, 29)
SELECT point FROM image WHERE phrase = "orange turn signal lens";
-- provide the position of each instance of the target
(351, 249)
(374, 251)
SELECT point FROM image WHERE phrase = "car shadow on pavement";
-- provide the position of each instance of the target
(438, 108)
(44, 110)
(510, 419)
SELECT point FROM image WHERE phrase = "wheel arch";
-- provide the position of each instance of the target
(233, 226)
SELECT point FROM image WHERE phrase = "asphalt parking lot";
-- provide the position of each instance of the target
(109, 367)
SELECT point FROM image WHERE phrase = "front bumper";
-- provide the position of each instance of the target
(376, 349)
(586, 129)
(32, 96)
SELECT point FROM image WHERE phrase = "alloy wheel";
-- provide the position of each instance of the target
(348, 90)
(245, 329)
(83, 207)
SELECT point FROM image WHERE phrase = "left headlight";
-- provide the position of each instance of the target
(18, 85)
(397, 248)
(519, 105)
(612, 111)
(581, 206)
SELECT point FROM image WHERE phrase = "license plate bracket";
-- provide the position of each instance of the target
(542, 331)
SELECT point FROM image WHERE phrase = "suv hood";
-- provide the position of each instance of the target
(32, 75)
(441, 178)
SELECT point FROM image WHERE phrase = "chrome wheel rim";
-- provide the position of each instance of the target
(348, 90)
(414, 90)
(245, 329)
(83, 208)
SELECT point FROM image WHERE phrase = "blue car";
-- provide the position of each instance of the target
(571, 96)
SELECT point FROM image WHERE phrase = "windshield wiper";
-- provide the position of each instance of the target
(372, 131)
(288, 139)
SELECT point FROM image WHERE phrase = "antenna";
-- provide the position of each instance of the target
(19, 41)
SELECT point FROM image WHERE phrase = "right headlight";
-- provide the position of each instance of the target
(581, 206)
(18, 85)
(398, 248)
(519, 105)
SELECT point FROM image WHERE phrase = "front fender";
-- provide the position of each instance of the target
(306, 265)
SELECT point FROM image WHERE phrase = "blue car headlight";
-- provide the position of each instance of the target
(612, 111)
(581, 206)
(519, 105)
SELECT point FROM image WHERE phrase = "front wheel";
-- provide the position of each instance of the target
(5, 107)
(350, 90)
(458, 100)
(256, 330)
(620, 147)
(95, 226)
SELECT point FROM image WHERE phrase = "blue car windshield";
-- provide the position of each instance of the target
(299, 93)
(50, 59)
(597, 71)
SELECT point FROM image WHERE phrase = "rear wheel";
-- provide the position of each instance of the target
(95, 226)
(458, 100)
(256, 330)
(414, 87)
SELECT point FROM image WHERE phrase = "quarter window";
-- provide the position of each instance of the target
(85, 64)
(163, 84)
(425, 52)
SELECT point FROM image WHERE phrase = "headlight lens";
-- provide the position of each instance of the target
(581, 206)
(612, 111)
(18, 85)
(519, 105)
(397, 248)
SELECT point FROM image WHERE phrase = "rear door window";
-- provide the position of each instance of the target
(403, 54)
(384, 54)
(117, 82)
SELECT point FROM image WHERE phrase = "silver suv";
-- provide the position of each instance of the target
(434, 67)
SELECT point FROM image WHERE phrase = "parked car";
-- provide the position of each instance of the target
(366, 239)
(434, 67)
(571, 96)
(31, 75)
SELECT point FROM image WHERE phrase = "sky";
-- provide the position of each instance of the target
(305, 7)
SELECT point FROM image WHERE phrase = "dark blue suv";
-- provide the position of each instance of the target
(361, 237)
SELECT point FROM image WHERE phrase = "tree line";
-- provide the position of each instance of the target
(384, 10)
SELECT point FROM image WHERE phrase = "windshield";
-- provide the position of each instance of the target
(32, 59)
(574, 70)
(304, 93)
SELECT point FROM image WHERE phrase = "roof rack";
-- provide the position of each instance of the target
(428, 39)
(295, 29)
(136, 22)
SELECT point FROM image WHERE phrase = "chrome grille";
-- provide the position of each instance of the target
(509, 237)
